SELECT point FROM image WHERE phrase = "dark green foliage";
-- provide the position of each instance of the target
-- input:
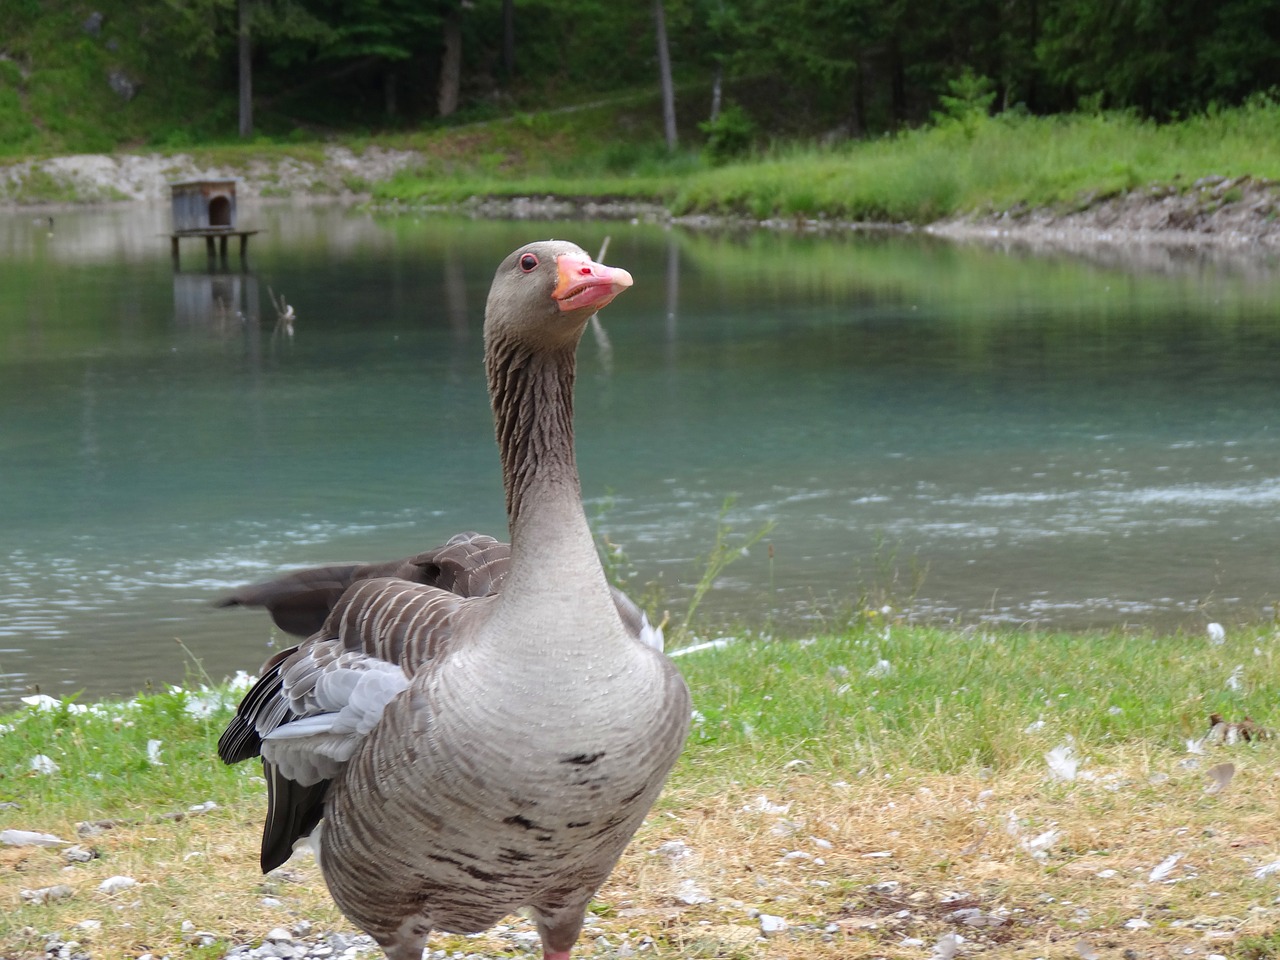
(729, 135)
(839, 67)
(1162, 58)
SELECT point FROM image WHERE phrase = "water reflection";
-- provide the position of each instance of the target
(1049, 439)
(217, 301)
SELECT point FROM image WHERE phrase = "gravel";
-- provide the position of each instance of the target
(280, 944)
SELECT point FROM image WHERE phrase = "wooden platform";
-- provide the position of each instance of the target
(215, 251)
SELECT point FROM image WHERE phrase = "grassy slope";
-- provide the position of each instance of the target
(924, 747)
(919, 176)
(54, 91)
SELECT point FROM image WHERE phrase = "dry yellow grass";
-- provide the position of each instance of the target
(868, 866)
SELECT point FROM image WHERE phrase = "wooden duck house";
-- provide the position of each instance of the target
(206, 208)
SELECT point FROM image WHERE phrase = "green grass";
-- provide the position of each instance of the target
(934, 700)
(925, 746)
(945, 701)
(101, 751)
(993, 164)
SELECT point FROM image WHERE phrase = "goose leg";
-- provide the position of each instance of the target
(408, 942)
(559, 926)
(406, 951)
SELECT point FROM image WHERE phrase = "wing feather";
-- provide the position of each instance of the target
(468, 564)
(315, 703)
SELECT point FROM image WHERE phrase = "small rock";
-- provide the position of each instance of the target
(78, 854)
(279, 934)
(675, 851)
(43, 765)
(689, 892)
(947, 946)
(772, 926)
(93, 24)
(120, 83)
(45, 894)
(116, 884)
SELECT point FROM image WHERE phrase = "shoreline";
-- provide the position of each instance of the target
(1236, 216)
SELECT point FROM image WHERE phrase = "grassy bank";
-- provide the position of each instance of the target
(877, 790)
(612, 150)
(959, 166)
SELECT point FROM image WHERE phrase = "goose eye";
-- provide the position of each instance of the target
(528, 262)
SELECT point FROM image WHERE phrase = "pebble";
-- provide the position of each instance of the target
(44, 894)
(771, 925)
(116, 884)
(689, 892)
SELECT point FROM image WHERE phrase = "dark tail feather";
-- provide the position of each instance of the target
(292, 813)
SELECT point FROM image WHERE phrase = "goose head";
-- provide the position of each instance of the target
(544, 293)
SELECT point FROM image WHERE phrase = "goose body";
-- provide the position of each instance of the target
(479, 729)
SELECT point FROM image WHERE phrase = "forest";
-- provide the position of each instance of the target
(80, 76)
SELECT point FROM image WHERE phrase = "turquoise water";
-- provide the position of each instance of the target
(1041, 439)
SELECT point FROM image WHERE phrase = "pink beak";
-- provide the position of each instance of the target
(585, 283)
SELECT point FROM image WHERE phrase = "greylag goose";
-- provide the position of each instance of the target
(472, 755)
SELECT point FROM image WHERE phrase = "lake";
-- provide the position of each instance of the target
(969, 435)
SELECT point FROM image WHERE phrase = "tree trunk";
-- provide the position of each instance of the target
(717, 85)
(897, 85)
(509, 38)
(664, 69)
(858, 115)
(389, 99)
(451, 64)
(246, 71)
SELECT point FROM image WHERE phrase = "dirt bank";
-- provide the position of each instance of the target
(341, 173)
(1241, 214)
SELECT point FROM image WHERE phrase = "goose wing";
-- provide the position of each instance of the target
(468, 564)
(316, 702)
